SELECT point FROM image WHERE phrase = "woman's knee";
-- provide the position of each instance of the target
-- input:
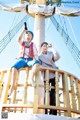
(19, 64)
(36, 62)
(14, 70)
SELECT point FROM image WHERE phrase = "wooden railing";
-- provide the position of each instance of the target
(67, 89)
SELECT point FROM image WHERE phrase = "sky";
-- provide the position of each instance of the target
(72, 26)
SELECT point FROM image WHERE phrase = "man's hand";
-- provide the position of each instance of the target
(50, 46)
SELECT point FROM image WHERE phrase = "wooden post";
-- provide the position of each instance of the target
(73, 101)
(46, 94)
(22, 1)
(36, 89)
(47, 87)
(78, 93)
(73, 94)
(6, 88)
(1, 82)
(57, 90)
(25, 87)
(15, 89)
(66, 95)
(41, 2)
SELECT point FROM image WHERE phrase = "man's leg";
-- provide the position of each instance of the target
(53, 97)
(53, 102)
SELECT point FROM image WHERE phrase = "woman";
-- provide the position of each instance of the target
(28, 58)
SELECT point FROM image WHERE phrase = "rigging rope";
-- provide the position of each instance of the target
(72, 30)
(63, 23)
(64, 26)
(5, 41)
(69, 43)
(16, 17)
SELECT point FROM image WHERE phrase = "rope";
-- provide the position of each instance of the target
(5, 41)
(72, 30)
(69, 43)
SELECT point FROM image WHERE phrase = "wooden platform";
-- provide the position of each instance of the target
(24, 116)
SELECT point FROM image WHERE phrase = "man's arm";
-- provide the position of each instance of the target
(56, 55)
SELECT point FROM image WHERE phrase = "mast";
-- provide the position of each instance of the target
(39, 26)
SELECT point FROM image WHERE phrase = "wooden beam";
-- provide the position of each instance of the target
(41, 2)
(22, 1)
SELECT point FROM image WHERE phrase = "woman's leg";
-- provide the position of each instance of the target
(34, 70)
(35, 67)
(14, 75)
(19, 64)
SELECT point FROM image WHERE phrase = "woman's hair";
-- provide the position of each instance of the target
(30, 32)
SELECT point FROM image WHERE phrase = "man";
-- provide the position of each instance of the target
(28, 58)
(47, 59)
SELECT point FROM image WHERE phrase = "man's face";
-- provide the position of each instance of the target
(44, 48)
(28, 36)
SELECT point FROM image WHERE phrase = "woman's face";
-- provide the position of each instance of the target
(44, 48)
(28, 36)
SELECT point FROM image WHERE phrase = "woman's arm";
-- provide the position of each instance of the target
(21, 35)
(35, 52)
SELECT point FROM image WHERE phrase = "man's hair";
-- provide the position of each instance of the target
(31, 33)
(44, 43)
